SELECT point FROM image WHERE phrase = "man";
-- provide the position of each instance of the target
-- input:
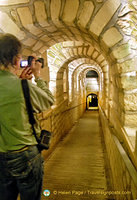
(21, 168)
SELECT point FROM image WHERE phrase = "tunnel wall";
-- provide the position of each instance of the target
(124, 175)
(59, 120)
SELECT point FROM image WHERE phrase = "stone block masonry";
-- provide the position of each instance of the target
(123, 172)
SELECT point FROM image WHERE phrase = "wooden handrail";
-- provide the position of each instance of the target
(47, 114)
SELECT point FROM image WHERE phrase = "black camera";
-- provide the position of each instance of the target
(30, 58)
(41, 60)
(28, 62)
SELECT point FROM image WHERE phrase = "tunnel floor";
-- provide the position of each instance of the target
(78, 167)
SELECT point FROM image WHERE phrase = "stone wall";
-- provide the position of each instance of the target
(92, 85)
(59, 120)
(124, 175)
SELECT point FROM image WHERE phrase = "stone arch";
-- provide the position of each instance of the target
(101, 93)
(85, 65)
(91, 73)
(95, 104)
(78, 62)
(81, 68)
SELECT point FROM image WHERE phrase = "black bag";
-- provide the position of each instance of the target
(45, 136)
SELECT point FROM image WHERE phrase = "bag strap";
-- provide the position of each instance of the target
(26, 93)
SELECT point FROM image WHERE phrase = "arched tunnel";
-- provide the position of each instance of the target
(90, 49)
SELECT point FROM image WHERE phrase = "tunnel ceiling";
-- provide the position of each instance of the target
(41, 24)
(78, 65)
(102, 30)
(74, 55)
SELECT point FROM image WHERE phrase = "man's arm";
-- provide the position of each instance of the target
(41, 97)
(43, 85)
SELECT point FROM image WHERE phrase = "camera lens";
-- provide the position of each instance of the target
(30, 58)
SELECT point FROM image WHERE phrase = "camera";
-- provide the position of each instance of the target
(30, 58)
(41, 60)
(28, 62)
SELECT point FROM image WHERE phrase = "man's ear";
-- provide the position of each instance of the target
(15, 60)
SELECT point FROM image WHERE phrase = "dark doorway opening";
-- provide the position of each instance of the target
(92, 74)
(92, 101)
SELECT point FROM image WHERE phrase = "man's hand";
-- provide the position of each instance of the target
(35, 67)
(26, 73)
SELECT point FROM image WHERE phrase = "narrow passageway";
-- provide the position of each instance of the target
(77, 168)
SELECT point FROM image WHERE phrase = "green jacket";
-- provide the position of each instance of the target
(15, 129)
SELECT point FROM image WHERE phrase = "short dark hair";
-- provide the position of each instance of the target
(10, 46)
